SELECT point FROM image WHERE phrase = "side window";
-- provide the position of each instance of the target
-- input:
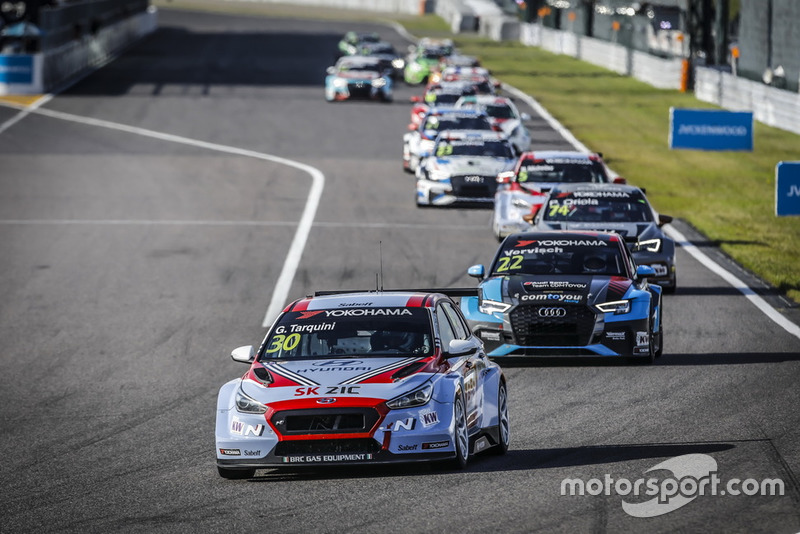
(445, 329)
(459, 329)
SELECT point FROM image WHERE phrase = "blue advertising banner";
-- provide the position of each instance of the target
(787, 188)
(703, 129)
(16, 69)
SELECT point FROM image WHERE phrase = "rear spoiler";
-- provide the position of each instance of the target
(453, 292)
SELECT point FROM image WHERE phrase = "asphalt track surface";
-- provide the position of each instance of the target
(133, 265)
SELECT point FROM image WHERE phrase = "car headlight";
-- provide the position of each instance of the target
(492, 306)
(651, 245)
(247, 404)
(339, 82)
(378, 83)
(438, 175)
(418, 397)
(617, 307)
(398, 63)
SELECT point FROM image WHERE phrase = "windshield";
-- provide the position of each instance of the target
(493, 149)
(500, 112)
(607, 206)
(561, 255)
(362, 332)
(575, 171)
(479, 122)
(444, 98)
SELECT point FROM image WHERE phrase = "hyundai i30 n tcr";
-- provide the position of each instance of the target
(360, 378)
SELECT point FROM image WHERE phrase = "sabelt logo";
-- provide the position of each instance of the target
(551, 312)
(365, 312)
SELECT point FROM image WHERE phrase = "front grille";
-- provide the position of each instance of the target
(325, 421)
(473, 186)
(327, 446)
(359, 89)
(574, 328)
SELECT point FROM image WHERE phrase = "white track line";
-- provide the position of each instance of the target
(742, 287)
(290, 265)
(24, 111)
(194, 222)
(690, 247)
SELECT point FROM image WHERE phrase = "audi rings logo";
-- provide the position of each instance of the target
(552, 312)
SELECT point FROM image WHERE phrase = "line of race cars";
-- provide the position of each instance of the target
(381, 376)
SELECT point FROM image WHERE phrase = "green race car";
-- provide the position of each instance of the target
(425, 58)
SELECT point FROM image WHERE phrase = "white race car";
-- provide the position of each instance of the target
(502, 113)
(358, 378)
(463, 168)
(418, 141)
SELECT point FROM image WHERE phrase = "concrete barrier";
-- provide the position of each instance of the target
(770, 105)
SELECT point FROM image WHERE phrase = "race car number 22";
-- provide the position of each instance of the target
(509, 263)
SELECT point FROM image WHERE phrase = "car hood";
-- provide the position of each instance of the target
(337, 377)
(556, 289)
(472, 165)
(630, 231)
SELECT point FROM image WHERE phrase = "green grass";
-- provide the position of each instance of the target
(728, 196)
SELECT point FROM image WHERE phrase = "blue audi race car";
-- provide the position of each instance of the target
(566, 293)
(362, 378)
(358, 77)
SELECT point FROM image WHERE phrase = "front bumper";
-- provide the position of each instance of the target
(517, 334)
(451, 191)
(411, 435)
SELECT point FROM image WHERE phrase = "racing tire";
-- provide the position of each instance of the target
(461, 435)
(235, 474)
(651, 352)
(670, 289)
(503, 428)
(660, 347)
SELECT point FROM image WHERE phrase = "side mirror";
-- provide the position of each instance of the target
(645, 271)
(505, 177)
(476, 271)
(411, 127)
(620, 180)
(462, 347)
(525, 116)
(416, 99)
(244, 354)
(664, 219)
(529, 217)
(331, 70)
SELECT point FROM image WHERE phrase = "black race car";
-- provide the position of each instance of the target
(623, 209)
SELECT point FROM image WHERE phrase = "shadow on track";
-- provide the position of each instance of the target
(514, 460)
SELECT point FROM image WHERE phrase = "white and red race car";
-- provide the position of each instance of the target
(357, 378)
